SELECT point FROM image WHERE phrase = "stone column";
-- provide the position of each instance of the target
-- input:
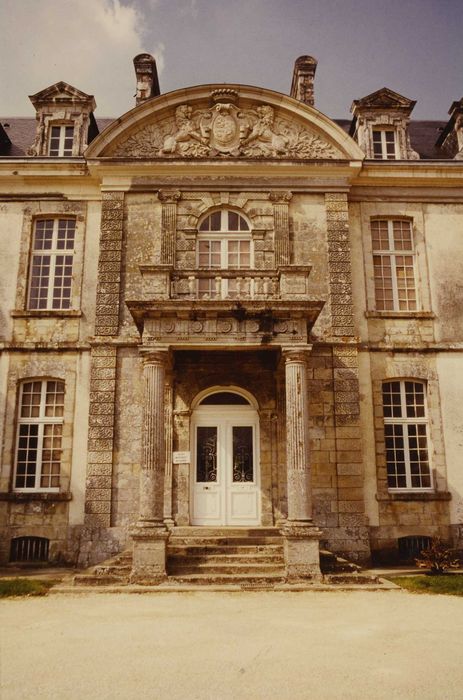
(168, 519)
(150, 534)
(301, 536)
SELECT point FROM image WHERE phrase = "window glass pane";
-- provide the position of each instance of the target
(232, 221)
(206, 454)
(215, 221)
(243, 463)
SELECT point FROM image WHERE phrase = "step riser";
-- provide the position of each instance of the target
(247, 560)
(224, 541)
(227, 580)
(227, 570)
(196, 550)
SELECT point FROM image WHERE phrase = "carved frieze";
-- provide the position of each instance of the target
(228, 131)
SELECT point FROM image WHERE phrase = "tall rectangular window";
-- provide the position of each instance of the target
(394, 265)
(50, 281)
(406, 435)
(40, 428)
(61, 140)
(384, 144)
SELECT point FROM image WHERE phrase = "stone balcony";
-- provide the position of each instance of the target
(163, 282)
(192, 308)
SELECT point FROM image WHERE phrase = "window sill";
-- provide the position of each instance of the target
(46, 313)
(415, 496)
(22, 496)
(400, 314)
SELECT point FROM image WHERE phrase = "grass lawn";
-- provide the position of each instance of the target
(24, 586)
(449, 584)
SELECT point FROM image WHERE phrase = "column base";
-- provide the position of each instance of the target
(149, 553)
(302, 551)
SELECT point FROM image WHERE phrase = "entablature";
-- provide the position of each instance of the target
(225, 323)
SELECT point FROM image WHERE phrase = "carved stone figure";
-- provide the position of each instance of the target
(226, 130)
(263, 137)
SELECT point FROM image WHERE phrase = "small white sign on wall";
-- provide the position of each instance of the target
(181, 457)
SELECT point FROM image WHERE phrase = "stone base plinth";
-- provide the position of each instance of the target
(149, 554)
(302, 551)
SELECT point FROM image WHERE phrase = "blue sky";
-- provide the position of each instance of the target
(412, 46)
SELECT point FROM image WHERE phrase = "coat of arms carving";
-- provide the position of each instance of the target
(226, 130)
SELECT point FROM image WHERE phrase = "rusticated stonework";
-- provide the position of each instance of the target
(226, 130)
(109, 264)
(169, 199)
(100, 436)
(103, 365)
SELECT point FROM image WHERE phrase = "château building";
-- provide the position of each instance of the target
(225, 314)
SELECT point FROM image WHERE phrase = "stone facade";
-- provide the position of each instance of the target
(149, 333)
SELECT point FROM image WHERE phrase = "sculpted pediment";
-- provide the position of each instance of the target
(385, 99)
(224, 123)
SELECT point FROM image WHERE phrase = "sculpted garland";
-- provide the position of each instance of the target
(226, 130)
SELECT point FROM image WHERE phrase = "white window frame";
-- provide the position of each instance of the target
(52, 254)
(224, 236)
(61, 140)
(41, 421)
(405, 422)
(384, 154)
(392, 253)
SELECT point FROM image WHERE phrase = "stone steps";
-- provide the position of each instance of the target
(216, 579)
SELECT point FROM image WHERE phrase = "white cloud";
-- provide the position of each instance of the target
(87, 43)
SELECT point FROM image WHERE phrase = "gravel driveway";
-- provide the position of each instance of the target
(218, 646)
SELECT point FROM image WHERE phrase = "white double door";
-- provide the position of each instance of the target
(225, 484)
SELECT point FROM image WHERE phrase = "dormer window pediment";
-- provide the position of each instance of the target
(380, 125)
(64, 115)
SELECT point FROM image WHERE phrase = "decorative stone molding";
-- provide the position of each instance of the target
(226, 130)
(281, 202)
(169, 199)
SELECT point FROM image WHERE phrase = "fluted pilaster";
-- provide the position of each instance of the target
(281, 226)
(169, 199)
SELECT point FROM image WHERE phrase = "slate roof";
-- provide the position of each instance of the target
(21, 133)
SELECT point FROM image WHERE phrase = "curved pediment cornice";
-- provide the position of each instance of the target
(224, 121)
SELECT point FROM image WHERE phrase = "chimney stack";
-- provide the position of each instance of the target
(303, 78)
(147, 77)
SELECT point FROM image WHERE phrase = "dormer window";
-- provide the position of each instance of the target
(380, 125)
(384, 144)
(61, 140)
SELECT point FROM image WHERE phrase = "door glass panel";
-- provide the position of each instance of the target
(243, 463)
(206, 454)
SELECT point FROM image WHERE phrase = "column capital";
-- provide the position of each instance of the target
(156, 357)
(280, 197)
(296, 355)
(169, 196)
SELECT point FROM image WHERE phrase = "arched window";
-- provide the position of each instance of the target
(406, 435)
(40, 429)
(224, 243)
